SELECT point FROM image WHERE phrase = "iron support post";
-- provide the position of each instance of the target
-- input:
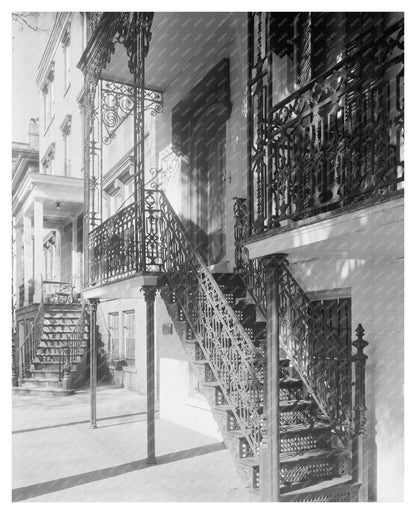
(14, 373)
(270, 447)
(149, 296)
(93, 362)
(67, 380)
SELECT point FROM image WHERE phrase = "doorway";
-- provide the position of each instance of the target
(206, 192)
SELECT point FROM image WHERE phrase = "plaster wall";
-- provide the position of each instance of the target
(229, 41)
(179, 403)
(130, 377)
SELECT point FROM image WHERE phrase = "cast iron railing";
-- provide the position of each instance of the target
(337, 141)
(72, 350)
(27, 349)
(116, 246)
(57, 292)
(321, 360)
(236, 363)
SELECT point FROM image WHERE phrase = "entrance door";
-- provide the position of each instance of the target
(207, 191)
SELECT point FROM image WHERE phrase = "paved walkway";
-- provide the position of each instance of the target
(58, 457)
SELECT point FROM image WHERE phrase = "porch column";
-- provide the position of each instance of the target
(18, 263)
(38, 247)
(149, 296)
(75, 259)
(27, 255)
(270, 446)
(93, 362)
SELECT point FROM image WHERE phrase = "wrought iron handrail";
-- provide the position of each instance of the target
(70, 352)
(236, 363)
(320, 359)
(59, 290)
(336, 141)
(116, 246)
(27, 349)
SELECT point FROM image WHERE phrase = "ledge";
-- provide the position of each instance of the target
(366, 231)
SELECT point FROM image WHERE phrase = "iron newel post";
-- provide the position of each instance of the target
(270, 446)
(359, 447)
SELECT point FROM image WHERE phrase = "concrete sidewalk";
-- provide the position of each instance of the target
(58, 457)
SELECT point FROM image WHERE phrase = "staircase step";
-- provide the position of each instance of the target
(237, 442)
(63, 307)
(193, 349)
(230, 283)
(42, 391)
(225, 416)
(337, 489)
(44, 373)
(250, 469)
(311, 466)
(298, 438)
(246, 313)
(41, 382)
(256, 330)
(214, 394)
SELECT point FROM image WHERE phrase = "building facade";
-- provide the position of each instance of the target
(242, 179)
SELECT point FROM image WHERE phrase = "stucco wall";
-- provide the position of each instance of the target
(228, 42)
(178, 402)
(132, 377)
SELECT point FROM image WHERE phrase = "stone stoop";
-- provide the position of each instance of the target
(42, 378)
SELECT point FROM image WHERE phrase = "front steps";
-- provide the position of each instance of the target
(43, 377)
(312, 468)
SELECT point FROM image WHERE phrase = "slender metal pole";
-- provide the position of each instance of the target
(270, 448)
(93, 362)
(149, 296)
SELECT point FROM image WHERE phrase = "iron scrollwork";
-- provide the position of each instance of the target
(117, 104)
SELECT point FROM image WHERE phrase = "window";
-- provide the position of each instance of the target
(48, 97)
(113, 327)
(66, 132)
(49, 160)
(65, 41)
(129, 336)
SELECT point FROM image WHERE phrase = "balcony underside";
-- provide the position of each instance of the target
(363, 233)
(124, 287)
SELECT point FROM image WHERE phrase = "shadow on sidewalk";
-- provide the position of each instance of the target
(70, 423)
(52, 486)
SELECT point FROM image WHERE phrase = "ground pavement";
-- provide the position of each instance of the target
(57, 457)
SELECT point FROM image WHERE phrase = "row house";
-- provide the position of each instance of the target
(243, 185)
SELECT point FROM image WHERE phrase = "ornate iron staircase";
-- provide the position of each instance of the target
(221, 322)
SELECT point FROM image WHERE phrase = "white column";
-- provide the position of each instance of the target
(75, 257)
(18, 262)
(38, 242)
(27, 254)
